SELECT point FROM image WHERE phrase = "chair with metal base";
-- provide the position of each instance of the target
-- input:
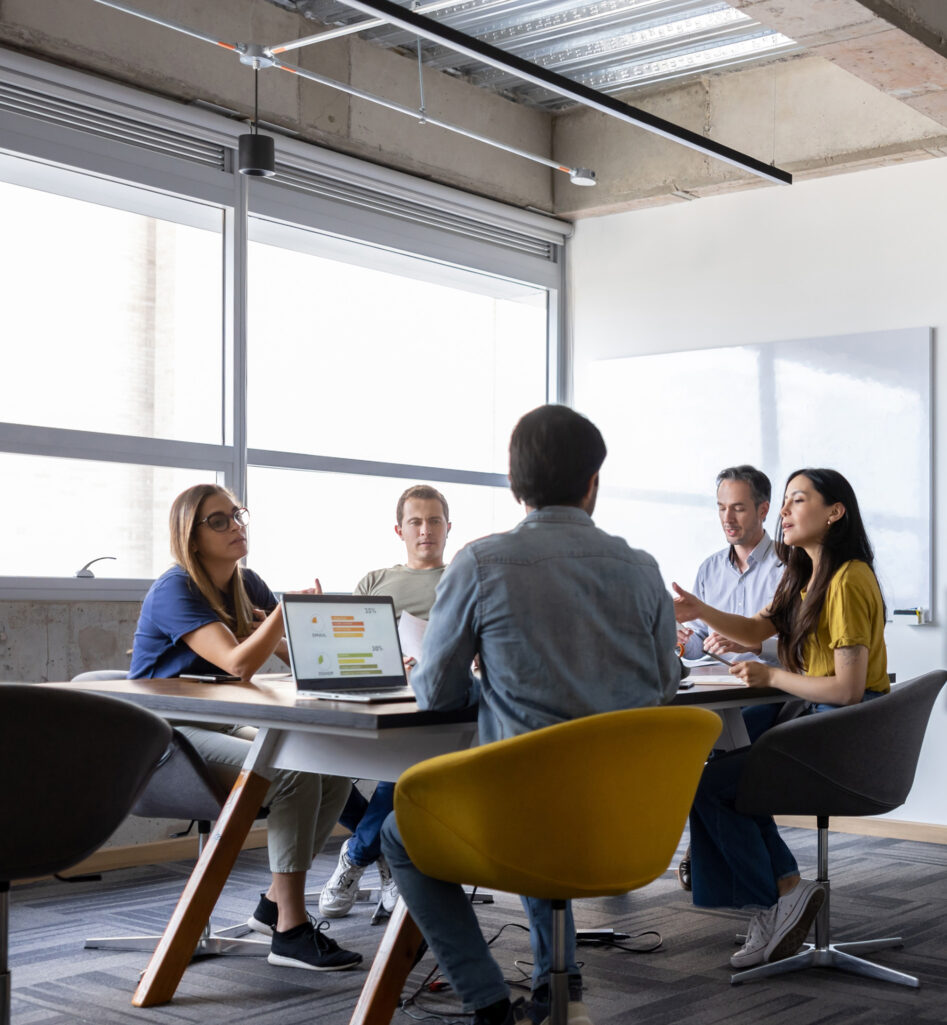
(72, 765)
(182, 787)
(587, 808)
(858, 760)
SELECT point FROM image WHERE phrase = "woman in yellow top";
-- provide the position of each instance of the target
(829, 616)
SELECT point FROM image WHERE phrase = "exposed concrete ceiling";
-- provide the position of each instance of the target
(608, 45)
(869, 88)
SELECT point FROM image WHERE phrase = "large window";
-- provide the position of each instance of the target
(364, 356)
(112, 318)
(166, 324)
(67, 512)
(338, 526)
(386, 357)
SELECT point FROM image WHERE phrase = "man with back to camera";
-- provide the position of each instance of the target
(601, 637)
(740, 578)
(422, 521)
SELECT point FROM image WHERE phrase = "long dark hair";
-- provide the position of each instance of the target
(796, 620)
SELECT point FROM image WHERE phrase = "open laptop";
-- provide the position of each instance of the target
(345, 647)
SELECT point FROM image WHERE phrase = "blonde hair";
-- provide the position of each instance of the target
(185, 515)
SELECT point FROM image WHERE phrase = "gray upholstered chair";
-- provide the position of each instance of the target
(858, 760)
(182, 787)
(72, 765)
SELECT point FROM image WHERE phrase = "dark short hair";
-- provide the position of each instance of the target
(420, 491)
(554, 453)
(758, 481)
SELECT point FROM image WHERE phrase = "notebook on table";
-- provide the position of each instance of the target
(345, 647)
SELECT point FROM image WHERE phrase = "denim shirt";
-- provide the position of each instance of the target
(568, 621)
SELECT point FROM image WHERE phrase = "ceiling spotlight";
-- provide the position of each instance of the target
(581, 176)
(256, 154)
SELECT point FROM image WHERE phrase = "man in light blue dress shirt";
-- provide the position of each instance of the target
(742, 577)
(567, 621)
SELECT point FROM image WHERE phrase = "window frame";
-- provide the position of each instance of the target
(60, 149)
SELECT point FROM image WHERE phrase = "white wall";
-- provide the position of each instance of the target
(857, 252)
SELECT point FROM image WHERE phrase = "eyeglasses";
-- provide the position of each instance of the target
(220, 521)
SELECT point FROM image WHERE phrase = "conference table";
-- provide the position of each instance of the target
(369, 741)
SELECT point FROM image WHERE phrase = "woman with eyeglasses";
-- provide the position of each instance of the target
(207, 615)
(829, 617)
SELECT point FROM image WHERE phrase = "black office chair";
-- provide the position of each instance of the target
(182, 787)
(72, 765)
(858, 760)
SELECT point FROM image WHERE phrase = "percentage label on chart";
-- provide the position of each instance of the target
(376, 647)
(370, 612)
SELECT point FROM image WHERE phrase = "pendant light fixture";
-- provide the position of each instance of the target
(256, 154)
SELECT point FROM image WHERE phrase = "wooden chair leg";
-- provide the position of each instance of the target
(173, 953)
(396, 956)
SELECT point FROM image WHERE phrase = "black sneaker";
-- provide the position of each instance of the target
(307, 946)
(516, 1012)
(265, 916)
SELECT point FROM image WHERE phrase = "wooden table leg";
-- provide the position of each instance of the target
(386, 977)
(176, 946)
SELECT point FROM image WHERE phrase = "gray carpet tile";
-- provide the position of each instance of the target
(880, 887)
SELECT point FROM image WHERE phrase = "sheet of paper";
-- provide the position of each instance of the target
(411, 631)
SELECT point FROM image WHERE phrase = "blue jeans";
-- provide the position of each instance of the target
(736, 859)
(446, 918)
(364, 818)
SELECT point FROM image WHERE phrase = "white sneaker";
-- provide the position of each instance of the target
(578, 1014)
(795, 913)
(758, 934)
(341, 889)
(389, 888)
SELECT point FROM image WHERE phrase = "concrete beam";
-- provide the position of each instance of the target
(896, 46)
(804, 114)
(91, 37)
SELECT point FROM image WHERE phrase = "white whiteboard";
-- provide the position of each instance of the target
(859, 403)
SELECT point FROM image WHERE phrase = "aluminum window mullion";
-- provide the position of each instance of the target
(272, 459)
(25, 439)
(559, 336)
(234, 384)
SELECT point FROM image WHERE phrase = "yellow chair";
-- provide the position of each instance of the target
(587, 808)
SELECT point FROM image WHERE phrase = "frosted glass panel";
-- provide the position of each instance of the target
(858, 403)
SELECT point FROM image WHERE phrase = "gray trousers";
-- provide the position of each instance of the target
(304, 806)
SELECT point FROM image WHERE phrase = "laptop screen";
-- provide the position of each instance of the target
(343, 642)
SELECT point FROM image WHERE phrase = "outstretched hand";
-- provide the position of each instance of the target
(687, 606)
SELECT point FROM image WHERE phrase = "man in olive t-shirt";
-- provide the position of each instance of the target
(423, 523)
